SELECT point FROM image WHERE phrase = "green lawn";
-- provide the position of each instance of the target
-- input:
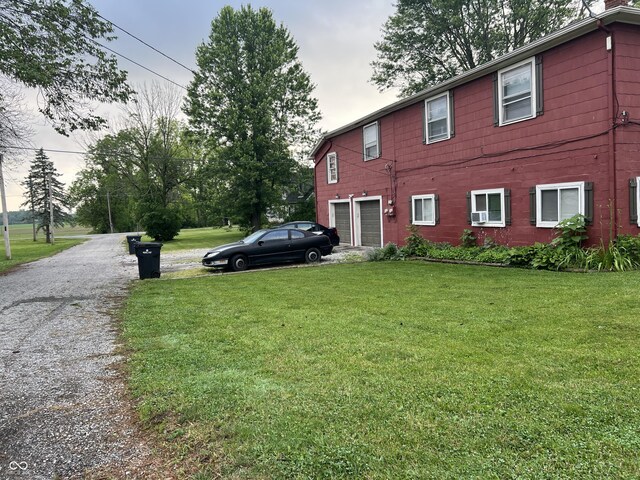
(392, 370)
(203, 238)
(24, 249)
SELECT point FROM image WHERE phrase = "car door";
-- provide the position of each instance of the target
(272, 247)
(298, 245)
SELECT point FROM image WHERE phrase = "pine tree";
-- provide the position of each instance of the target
(42, 177)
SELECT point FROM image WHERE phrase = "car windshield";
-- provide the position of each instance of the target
(253, 237)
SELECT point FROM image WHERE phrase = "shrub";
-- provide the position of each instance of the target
(468, 238)
(389, 252)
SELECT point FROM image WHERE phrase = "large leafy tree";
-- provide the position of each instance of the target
(44, 191)
(428, 41)
(249, 102)
(54, 45)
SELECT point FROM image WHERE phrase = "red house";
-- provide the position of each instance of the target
(508, 149)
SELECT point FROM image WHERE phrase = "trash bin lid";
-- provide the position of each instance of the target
(149, 245)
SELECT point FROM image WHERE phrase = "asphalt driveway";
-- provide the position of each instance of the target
(63, 408)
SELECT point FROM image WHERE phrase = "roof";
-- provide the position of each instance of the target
(575, 30)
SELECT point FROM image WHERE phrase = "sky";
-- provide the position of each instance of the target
(336, 46)
(335, 40)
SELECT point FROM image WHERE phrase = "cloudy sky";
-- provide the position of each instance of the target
(335, 37)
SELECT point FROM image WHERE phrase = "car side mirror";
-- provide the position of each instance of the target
(260, 243)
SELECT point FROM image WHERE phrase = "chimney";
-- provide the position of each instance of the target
(609, 4)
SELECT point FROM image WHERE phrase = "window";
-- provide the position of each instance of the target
(296, 234)
(423, 209)
(332, 168)
(437, 111)
(276, 235)
(517, 92)
(371, 141)
(488, 208)
(558, 202)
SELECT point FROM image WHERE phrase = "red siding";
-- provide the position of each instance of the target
(569, 142)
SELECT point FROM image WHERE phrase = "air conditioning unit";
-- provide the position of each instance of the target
(479, 217)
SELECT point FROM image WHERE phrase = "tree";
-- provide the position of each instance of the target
(44, 191)
(54, 45)
(249, 101)
(15, 129)
(147, 161)
(428, 41)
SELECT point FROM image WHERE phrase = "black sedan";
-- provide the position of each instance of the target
(269, 246)
(316, 229)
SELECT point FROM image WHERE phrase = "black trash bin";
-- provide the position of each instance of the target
(148, 254)
(131, 241)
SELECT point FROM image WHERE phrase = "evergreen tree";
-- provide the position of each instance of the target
(250, 100)
(41, 185)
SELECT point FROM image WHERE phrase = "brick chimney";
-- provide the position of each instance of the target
(609, 4)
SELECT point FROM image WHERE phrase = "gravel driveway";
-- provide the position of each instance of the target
(63, 408)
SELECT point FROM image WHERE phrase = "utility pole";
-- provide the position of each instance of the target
(5, 215)
(33, 210)
(109, 208)
(51, 240)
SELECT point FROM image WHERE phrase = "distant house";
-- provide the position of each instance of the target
(507, 149)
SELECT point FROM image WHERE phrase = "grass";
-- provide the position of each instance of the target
(199, 238)
(24, 249)
(392, 370)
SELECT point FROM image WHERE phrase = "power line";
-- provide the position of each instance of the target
(146, 44)
(139, 64)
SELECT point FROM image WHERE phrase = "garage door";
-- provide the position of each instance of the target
(342, 214)
(370, 235)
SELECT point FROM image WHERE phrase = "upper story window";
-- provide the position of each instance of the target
(332, 167)
(423, 209)
(557, 202)
(438, 118)
(517, 92)
(488, 208)
(371, 141)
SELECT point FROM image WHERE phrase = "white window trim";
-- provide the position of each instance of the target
(557, 186)
(502, 222)
(426, 118)
(364, 146)
(433, 209)
(637, 198)
(534, 93)
(330, 156)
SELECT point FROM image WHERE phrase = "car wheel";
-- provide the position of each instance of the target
(312, 255)
(239, 263)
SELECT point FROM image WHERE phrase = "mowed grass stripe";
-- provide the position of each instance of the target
(394, 370)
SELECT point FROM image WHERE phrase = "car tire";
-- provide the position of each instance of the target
(312, 256)
(239, 263)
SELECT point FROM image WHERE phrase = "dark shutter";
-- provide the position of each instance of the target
(588, 202)
(539, 87)
(532, 205)
(425, 126)
(436, 208)
(507, 206)
(496, 101)
(633, 201)
(451, 116)
(411, 210)
(469, 208)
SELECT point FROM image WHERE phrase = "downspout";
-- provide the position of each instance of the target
(613, 115)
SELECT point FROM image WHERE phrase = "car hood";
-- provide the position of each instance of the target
(227, 246)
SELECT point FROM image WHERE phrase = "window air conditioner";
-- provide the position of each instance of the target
(479, 217)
